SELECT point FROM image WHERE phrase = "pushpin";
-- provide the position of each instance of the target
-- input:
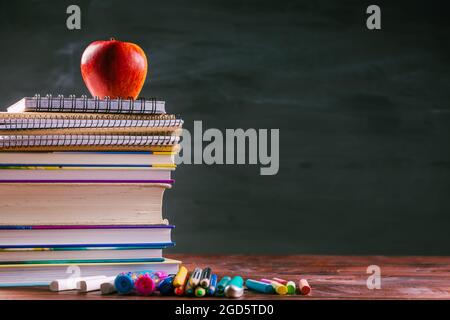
(205, 278)
(180, 278)
(125, 282)
(212, 285)
(195, 277)
(235, 287)
(145, 284)
(200, 292)
(222, 284)
(304, 287)
(291, 287)
(259, 286)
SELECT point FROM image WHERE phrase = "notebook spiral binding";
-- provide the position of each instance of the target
(85, 140)
(24, 121)
(133, 106)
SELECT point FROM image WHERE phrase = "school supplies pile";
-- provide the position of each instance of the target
(279, 286)
(82, 183)
(198, 283)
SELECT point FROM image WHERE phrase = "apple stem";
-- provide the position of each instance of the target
(112, 39)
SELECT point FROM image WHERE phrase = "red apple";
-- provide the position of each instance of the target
(114, 68)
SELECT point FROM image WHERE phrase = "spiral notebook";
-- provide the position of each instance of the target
(88, 105)
(86, 142)
(76, 123)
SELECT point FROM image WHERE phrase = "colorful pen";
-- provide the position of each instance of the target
(195, 277)
(212, 285)
(205, 278)
(180, 278)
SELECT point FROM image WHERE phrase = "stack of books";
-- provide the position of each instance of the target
(81, 187)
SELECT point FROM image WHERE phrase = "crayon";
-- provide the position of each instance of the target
(195, 277)
(266, 280)
(222, 284)
(291, 287)
(200, 292)
(282, 281)
(235, 288)
(304, 287)
(212, 285)
(125, 281)
(205, 278)
(69, 283)
(259, 286)
(180, 278)
(279, 288)
(87, 285)
(165, 287)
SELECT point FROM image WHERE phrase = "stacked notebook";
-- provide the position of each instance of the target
(81, 184)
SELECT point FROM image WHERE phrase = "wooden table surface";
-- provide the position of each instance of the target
(331, 277)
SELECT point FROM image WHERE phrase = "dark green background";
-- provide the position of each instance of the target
(364, 116)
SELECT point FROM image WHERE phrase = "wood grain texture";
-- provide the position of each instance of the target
(331, 277)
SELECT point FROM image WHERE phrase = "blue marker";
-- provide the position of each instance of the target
(212, 285)
(124, 282)
(259, 286)
(165, 287)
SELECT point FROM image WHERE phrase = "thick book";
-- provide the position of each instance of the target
(90, 173)
(58, 254)
(84, 104)
(36, 274)
(85, 203)
(85, 236)
(88, 158)
(37, 122)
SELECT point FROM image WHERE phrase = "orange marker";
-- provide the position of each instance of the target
(180, 278)
(304, 287)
